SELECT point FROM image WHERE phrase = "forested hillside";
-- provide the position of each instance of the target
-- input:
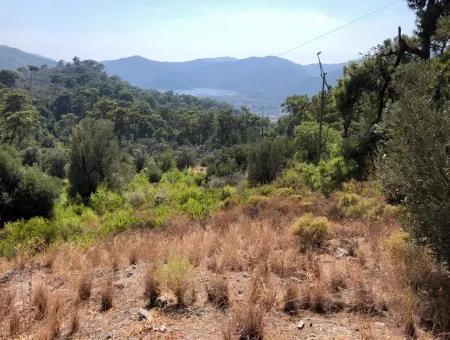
(133, 213)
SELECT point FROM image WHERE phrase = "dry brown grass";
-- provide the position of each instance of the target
(74, 323)
(40, 301)
(249, 321)
(317, 298)
(217, 291)
(133, 256)
(151, 289)
(6, 302)
(84, 288)
(52, 327)
(253, 246)
(106, 297)
(14, 322)
(291, 299)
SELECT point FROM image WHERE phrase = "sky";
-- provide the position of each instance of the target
(180, 30)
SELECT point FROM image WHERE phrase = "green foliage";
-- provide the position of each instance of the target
(24, 191)
(311, 231)
(35, 194)
(8, 78)
(185, 158)
(325, 177)
(306, 137)
(54, 162)
(265, 160)
(117, 221)
(19, 119)
(166, 161)
(415, 167)
(93, 157)
(103, 201)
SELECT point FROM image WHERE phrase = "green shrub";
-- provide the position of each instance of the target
(153, 172)
(306, 137)
(166, 161)
(25, 192)
(354, 206)
(35, 194)
(311, 231)
(104, 200)
(94, 157)
(176, 275)
(54, 161)
(265, 161)
(117, 221)
(136, 199)
(185, 158)
(34, 235)
(325, 177)
(415, 167)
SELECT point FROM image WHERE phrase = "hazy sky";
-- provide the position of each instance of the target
(180, 30)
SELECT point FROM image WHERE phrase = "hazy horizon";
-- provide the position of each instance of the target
(181, 31)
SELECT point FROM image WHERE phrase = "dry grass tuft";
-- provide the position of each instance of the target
(337, 281)
(249, 320)
(133, 256)
(106, 298)
(14, 322)
(40, 301)
(74, 323)
(177, 275)
(316, 298)
(217, 291)
(291, 299)
(363, 298)
(6, 302)
(151, 289)
(84, 288)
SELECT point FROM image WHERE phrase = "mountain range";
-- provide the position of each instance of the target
(261, 83)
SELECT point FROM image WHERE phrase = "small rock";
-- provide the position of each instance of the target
(247, 275)
(341, 252)
(161, 329)
(143, 314)
(240, 291)
(301, 325)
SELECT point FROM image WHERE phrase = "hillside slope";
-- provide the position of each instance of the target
(13, 58)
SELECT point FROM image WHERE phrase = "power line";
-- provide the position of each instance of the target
(340, 27)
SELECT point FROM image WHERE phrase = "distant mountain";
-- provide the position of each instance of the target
(13, 58)
(262, 83)
(259, 82)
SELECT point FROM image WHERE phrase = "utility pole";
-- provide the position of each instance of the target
(323, 75)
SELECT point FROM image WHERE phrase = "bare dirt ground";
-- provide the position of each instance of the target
(347, 289)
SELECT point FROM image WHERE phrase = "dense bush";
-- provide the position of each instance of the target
(265, 160)
(24, 191)
(54, 161)
(166, 161)
(311, 231)
(306, 137)
(325, 177)
(416, 164)
(185, 158)
(94, 157)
